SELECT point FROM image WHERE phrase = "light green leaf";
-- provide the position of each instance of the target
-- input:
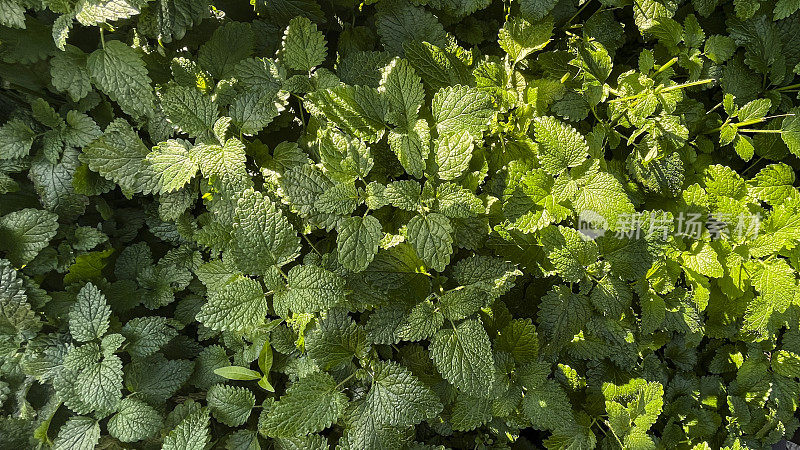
(225, 163)
(562, 146)
(93, 12)
(120, 155)
(461, 108)
(774, 184)
(356, 110)
(172, 165)
(237, 373)
(603, 194)
(519, 38)
(453, 154)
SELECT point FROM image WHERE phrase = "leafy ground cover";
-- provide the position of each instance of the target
(304, 224)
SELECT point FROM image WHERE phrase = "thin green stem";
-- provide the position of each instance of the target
(666, 66)
(788, 88)
(344, 381)
(755, 130)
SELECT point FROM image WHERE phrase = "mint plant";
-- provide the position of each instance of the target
(399, 224)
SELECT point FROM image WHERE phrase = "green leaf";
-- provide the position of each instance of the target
(357, 241)
(120, 155)
(156, 378)
(562, 314)
(303, 46)
(99, 385)
(421, 323)
(403, 88)
(774, 184)
(431, 237)
(461, 108)
(569, 252)
(191, 433)
(342, 200)
(470, 412)
(398, 398)
(453, 154)
(120, 73)
(237, 373)
(786, 363)
(173, 166)
(16, 139)
(310, 404)
(356, 110)
(238, 306)
(337, 341)
(520, 340)
(562, 145)
(12, 15)
(463, 356)
(134, 421)
(310, 289)
(536, 9)
(88, 316)
(519, 38)
(16, 314)
(25, 232)
(411, 145)
(225, 163)
(230, 405)
(79, 433)
(262, 236)
(603, 194)
(218, 56)
(189, 110)
(399, 23)
(438, 67)
(147, 335)
(548, 408)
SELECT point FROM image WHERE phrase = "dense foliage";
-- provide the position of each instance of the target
(399, 224)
